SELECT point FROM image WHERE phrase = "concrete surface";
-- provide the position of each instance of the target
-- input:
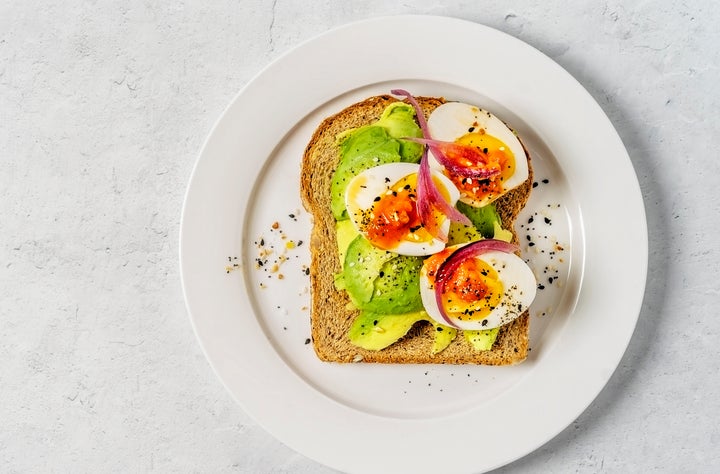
(103, 109)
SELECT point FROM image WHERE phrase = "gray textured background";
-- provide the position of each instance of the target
(103, 109)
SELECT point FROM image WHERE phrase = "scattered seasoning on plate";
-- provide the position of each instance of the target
(233, 266)
(271, 255)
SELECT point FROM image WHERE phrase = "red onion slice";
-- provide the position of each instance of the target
(429, 196)
(451, 264)
(477, 161)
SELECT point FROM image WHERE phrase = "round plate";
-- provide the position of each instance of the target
(244, 252)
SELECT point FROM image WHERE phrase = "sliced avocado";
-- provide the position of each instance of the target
(483, 218)
(444, 335)
(365, 140)
(345, 232)
(502, 234)
(486, 224)
(339, 281)
(482, 340)
(398, 119)
(361, 267)
(381, 281)
(374, 331)
(460, 233)
(397, 286)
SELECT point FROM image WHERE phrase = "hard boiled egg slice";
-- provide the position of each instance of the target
(381, 203)
(485, 291)
(469, 125)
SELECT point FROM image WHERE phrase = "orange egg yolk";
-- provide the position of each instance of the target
(394, 218)
(472, 291)
(498, 155)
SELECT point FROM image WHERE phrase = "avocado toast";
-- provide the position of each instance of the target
(336, 323)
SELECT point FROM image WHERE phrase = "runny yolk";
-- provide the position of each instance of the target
(472, 291)
(499, 155)
(393, 218)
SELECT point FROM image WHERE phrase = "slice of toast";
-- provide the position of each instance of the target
(330, 317)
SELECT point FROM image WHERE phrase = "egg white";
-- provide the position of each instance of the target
(519, 288)
(366, 186)
(452, 120)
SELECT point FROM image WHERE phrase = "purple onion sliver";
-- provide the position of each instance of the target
(427, 192)
(431, 193)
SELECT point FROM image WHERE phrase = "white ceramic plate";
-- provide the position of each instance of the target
(254, 326)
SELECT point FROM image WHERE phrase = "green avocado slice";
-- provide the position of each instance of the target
(482, 340)
(398, 119)
(483, 218)
(374, 331)
(397, 286)
(345, 233)
(360, 269)
(381, 281)
(444, 335)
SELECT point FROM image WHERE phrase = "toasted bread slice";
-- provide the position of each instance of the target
(330, 317)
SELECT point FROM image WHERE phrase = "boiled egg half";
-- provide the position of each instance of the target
(381, 203)
(468, 125)
(484, 292)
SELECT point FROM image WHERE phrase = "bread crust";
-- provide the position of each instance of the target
(330, 317)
